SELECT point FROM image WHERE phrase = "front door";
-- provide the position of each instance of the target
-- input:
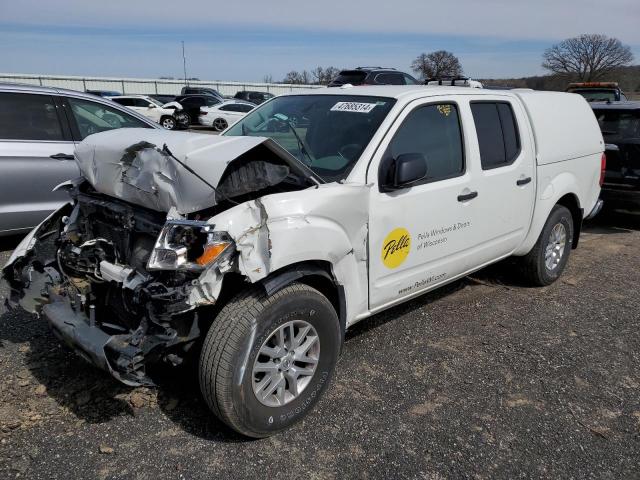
(36, 154)
(421, 236)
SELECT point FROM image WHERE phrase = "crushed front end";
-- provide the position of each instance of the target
(119, 283)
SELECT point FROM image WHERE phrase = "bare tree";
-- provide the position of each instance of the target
(323, 76)
(437, 65)
(296, 77)
(267, 79)
(587, 57)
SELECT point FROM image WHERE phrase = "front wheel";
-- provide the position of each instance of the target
(168, 122)
(266, 360)
(548, 257)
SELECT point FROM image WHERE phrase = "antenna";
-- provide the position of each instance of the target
(184, 64)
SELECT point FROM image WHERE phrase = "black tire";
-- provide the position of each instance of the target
(168, 123)
(183, 120)
(534, 268)
(232, 345)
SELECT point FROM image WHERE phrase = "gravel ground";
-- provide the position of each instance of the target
(483, 379)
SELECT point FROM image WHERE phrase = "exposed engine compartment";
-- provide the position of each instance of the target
(122, 271)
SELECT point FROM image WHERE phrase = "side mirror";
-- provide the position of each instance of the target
(407, 169)
(151, 105)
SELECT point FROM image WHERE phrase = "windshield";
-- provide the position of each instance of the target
(619, 124)
(155, 101)
(326, 132)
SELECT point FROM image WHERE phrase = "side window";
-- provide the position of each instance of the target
(141, 103)
(389, 79)
(127, 102)
(434, 131)
(497, 131)
(26, 116)
(92, 117)
(409, 80)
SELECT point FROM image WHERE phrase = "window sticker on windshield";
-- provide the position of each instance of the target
(353, 107)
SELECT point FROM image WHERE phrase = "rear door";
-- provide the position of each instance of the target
(36, 154)
(505, 179)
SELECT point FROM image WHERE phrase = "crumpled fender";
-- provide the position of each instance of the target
(279, 230)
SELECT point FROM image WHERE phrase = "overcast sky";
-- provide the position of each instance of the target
(246, 40)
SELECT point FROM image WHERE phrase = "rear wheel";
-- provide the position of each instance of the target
(220, 124)
(266, 360)
(548, 258)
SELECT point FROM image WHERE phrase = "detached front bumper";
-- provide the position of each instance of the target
(117, 354)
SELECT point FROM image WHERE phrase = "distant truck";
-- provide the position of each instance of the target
(598, 91)
(256, 250)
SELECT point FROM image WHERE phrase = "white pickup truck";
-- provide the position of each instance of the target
(252, 253)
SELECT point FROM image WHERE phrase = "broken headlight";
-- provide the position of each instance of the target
(187, 245)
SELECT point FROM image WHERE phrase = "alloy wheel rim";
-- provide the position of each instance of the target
(286, 363)
(168, 123)
(220, 124)
(556, 243)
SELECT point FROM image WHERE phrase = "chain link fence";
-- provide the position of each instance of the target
(145, 86)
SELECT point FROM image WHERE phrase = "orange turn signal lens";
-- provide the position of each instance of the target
(211, 252)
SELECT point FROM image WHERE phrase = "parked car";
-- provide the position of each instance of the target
(620, 125)
(598, 91)
(373, 76)
(168, 116)
(104, 93)
(224, 114)
(187, 90)
(296, 234)
(253, 97)
(162, 98)
(192, 105)
(39, 129)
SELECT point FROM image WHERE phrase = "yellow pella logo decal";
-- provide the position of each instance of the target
(395, 248)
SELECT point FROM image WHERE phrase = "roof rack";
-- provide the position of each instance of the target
(449, 80)
(374, 68)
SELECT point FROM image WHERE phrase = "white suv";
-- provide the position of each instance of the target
(150, 108)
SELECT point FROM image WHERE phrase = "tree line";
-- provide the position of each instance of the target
(587, 57)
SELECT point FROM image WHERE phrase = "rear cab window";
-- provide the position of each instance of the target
(26, 116)
(618, 124)
(354, 77)
(497, 131)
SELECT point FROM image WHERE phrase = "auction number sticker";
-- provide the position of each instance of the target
(353, 107)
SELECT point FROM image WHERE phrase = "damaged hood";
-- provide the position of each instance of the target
(143, 166)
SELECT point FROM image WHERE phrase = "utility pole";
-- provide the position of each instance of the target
(184, 64)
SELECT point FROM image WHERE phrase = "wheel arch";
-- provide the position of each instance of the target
(317, 274)
(562, 191)
(571, 202)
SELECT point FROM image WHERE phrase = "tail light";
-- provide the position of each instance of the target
(603, 167)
